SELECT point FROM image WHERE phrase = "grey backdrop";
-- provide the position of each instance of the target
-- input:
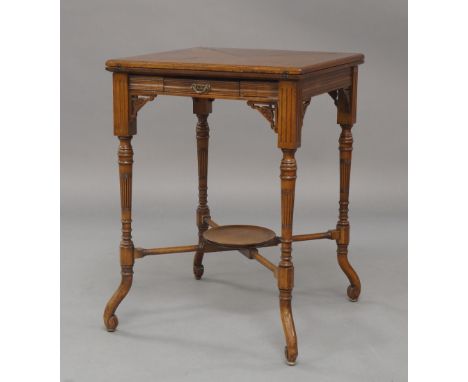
(227, 326)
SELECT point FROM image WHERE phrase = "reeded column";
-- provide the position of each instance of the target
(202, 108)
(346, 103)
(285, 268)
(126, 244)
(289, 123)
(346, 149)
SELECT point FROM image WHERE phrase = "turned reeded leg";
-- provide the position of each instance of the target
(346, 148)
(126, 244)
(290, 111)
(202, 108)
(285, 267)
(346, 101)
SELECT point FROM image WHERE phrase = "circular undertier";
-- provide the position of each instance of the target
(239, 235)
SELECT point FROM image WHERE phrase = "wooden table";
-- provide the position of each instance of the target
(279, 84)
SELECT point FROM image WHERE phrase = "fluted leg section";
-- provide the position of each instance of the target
(126, 244)
(285, 267)
(346, 148)
(202, 108)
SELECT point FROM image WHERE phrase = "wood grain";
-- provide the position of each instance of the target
(289, 117)
(146, 85)
(202, 108)
(280, 85)
(122, 127)
(258, 89)
(126, 243)
(276, 63)
(326, 81)
(285, 268)
(346, 106)
(238, 236)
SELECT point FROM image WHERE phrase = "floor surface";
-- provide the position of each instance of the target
(227, 326)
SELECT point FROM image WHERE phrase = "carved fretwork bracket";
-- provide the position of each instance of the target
(334, 95)
(343, 96)
(268, 110)
(305, 104)
(137, 102)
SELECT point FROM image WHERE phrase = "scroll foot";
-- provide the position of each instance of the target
(198, 267)
(110, 319)
(198, 271)
(353, 293)
(290, 350)
(354, 289)
(289, 360)
(111, 323)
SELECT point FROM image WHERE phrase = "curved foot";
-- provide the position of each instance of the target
(111, 323)
(290, 350)
(110, 319)
(291, 361)
(354, 290)
(353, 293)
(198, 268)
(198, 271)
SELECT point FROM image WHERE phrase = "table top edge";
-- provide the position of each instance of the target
(180, 66)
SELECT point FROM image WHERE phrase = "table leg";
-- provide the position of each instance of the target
(126, 244)
(285, 267)
(202, 108)
(346, 148)
(346, 103)
(288, 123)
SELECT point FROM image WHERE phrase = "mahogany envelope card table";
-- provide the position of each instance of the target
(277, 83)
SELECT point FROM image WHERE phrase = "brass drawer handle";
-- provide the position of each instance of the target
(201, 88)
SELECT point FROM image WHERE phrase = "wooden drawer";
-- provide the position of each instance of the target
(257, 89)
(206, 88)
(145, 85)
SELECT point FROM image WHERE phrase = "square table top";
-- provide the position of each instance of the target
(255, 61)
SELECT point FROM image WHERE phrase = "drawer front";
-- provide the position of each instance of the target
(256, 89)
(199, 88)
(153, 85)
(145, 85)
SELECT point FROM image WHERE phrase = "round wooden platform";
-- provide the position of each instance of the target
(238, 236)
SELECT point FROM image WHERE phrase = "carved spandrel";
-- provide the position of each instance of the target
(305, 105)
(334, 95)
(137, 102)
(341, 95)
(268, 110)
